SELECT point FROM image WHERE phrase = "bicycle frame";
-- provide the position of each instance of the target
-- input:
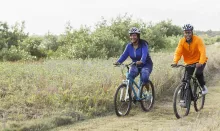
(188, 86)
(186, 81)
(130, 81)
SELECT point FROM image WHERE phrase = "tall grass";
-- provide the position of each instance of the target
(71, 90)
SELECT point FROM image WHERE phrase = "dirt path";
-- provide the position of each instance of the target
(161, 118)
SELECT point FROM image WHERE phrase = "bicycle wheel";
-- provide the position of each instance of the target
(122, 102)
(147, 96)
(199, 99)
(181, 94)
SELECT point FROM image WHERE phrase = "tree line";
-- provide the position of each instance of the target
(106, 40)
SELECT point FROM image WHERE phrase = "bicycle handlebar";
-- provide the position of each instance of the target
(126, 65)
(180, 65)
(185, 66)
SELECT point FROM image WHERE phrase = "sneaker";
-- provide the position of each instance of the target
(149, 95)
(204, 90)
(182, 103)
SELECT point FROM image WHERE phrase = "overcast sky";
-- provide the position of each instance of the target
(42, 16)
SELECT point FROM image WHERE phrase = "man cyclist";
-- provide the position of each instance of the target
(138, 51)
(193, 50)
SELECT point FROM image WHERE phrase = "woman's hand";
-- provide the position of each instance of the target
(139, 62)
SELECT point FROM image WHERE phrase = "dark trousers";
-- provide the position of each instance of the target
(199, 74)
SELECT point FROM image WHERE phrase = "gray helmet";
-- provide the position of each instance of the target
(134, 30)
(188, 27)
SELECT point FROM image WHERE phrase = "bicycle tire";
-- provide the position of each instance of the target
(145, 100)
(179, 91)
(126, 102)
(198, 96)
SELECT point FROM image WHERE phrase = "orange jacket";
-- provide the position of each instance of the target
(194, 52)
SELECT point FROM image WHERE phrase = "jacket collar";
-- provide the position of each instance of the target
(139, 43)
(190, 41)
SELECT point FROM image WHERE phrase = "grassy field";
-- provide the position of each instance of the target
(48, 94)
(161, 118)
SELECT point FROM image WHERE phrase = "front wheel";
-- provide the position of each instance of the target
(181, 108)
(147, 96)
(122, 100)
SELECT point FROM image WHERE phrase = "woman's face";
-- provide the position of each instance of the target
(133, 38)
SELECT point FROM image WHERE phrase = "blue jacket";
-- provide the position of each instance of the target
(140, 54)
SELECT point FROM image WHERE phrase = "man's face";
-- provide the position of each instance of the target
(188, 34)
(134, 38)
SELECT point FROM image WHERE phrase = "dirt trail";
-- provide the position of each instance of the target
(161, 118)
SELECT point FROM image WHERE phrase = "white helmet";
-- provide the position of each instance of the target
(187, 27)
(134, 30)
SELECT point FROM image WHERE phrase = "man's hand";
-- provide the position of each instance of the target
(139, 62)
(198, 65)
(173, 65)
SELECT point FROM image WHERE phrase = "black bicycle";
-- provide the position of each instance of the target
(189, 90)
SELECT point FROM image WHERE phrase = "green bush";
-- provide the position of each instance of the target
(218, 39)
(14, 54)
(35, 46)
(208, 40)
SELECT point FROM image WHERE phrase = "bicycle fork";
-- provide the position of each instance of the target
(126, 97)
(184, 92)
(187, 92)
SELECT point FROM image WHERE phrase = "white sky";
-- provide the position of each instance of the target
(42, 16)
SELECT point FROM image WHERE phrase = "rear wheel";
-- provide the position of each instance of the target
(147, 96)
(122, 101)
(199, 99)
(181, 108)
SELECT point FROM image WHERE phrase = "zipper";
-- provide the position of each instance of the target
(189, 47)
(135, 53)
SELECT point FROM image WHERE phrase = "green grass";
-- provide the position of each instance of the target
(161, 118)
(74, 89)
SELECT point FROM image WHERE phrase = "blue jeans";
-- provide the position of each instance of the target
(144, 71)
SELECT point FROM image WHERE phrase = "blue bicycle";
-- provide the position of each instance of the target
(126, 94)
